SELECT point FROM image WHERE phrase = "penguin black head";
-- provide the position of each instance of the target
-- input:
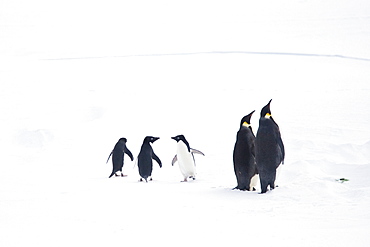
(266, 112)
(150, 139)
(246, 120)
(124, 140)
(179, 138)
(182, 138)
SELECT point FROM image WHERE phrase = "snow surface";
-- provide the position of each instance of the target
(75, 76)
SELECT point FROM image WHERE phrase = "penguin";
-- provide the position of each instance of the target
(244, 156)
(185, 157)
(118, 154)
(144, 159)
(270, 150)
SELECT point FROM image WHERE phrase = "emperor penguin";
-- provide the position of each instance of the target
(118, 155)
(144, 159)
(244, 156)
(270, 151)
(185, 157)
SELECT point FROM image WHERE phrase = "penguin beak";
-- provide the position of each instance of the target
(155, 138)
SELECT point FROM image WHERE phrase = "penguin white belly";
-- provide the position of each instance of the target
(185, 160)
(278, 171)
(254, 182)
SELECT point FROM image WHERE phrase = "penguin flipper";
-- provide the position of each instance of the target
(109, 157)
(126, 151)
(155, 157)
(174, 160)
(194, 151)
(282, 150)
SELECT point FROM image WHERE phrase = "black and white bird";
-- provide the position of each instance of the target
(244, 156)
(145, 158)
(185, 157)
(270, 151)
(118, 156)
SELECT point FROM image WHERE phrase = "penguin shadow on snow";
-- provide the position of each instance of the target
(185, 157)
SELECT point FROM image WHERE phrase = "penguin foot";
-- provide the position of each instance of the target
(240, 188)
(122, 175)
(146, 180)
(186, 179)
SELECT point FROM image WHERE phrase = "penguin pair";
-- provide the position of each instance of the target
(144, 158)
(184, 156)
(261, 154)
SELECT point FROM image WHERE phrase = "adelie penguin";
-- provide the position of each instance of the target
(270, 151)
(185, 157)
(244, 156)
(145, 157)
(119, 150)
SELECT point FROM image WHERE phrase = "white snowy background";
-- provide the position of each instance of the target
(75, 76)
